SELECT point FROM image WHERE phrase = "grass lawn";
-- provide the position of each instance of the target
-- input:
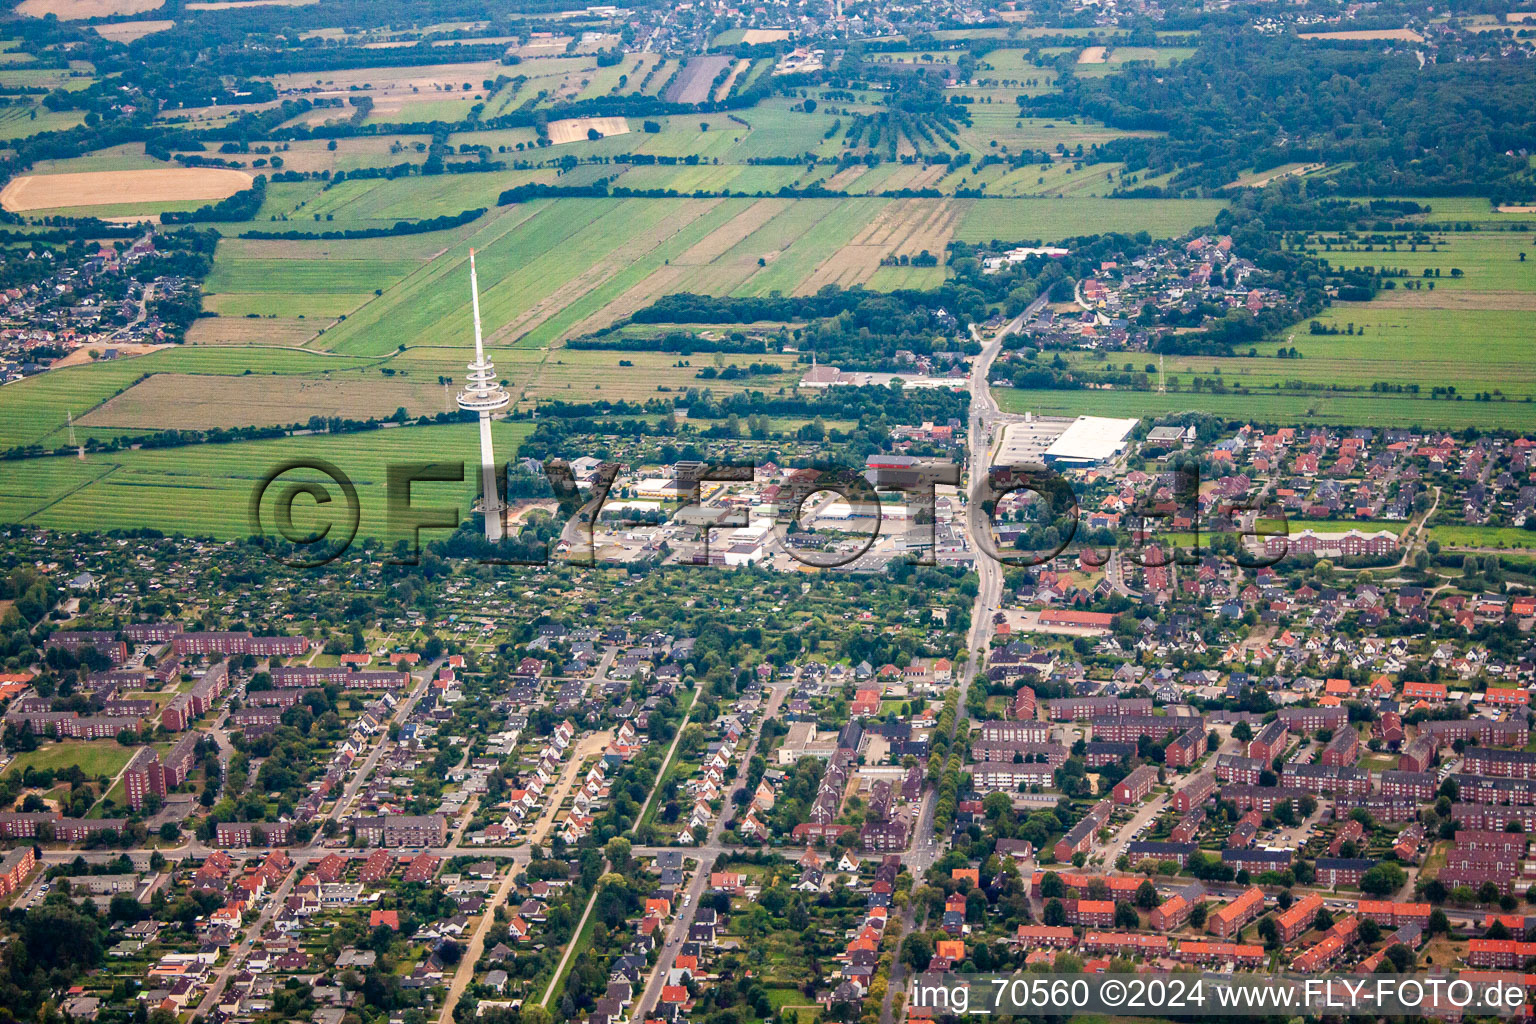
(95, 757)
(1435, 860)
(780, 997)
(117, 796)
(19, 121)
(1483, 537)
(582, 940)
(648, 815)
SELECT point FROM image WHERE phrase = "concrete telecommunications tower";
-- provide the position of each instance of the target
(484, 395)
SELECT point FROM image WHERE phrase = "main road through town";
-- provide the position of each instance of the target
(985, 418)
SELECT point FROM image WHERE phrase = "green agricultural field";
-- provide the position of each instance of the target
(1057, 179)
(284, 200)
(548, 268)
(536, 260)
(1398, 340)
(606, 81)
(578, 375)
(778, 131)
(1466, 209)
(31, 485)
(1409, 346)
(37, 406)
(450, 109)
(1011, 220)
(1000, 122)
(143, 211)
(22, 77)
(750, 77)
(1489, 261)
(206, 489)
(1399, 347)
(1320, 408)
(1119, 56)
(290, 288)
(379, 202)
(20, 121)
(509, 137)
(553, 268)
(890, 279)
(130, 156)
(835, 223)
(1483, 537)
(1014, 67)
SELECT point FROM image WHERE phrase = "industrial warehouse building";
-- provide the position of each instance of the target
(1089, 441)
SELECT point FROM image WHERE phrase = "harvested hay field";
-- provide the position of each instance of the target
(730, 80)
(181, 401)
(845, 177)
(633, 248)
(575, 129)
(913, 176)
(693, 84)
(72, 10)
(1094, 55)
(225, 5)
(1260, 179)
(753, 36)
(111, 188)
(241, 330)
(704, 267)
(581, 375)
(1445, 298)
(392, 88)
(82, 355)
(128, 31)
(904, 227)
(1517, 209)
(1405, 34)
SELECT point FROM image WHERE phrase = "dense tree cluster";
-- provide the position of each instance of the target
(1246, 100)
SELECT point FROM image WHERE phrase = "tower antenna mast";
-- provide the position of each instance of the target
(484, 395)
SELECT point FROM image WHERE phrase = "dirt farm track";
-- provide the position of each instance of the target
(102, 188)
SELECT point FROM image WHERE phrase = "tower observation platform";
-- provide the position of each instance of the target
(484, 395)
